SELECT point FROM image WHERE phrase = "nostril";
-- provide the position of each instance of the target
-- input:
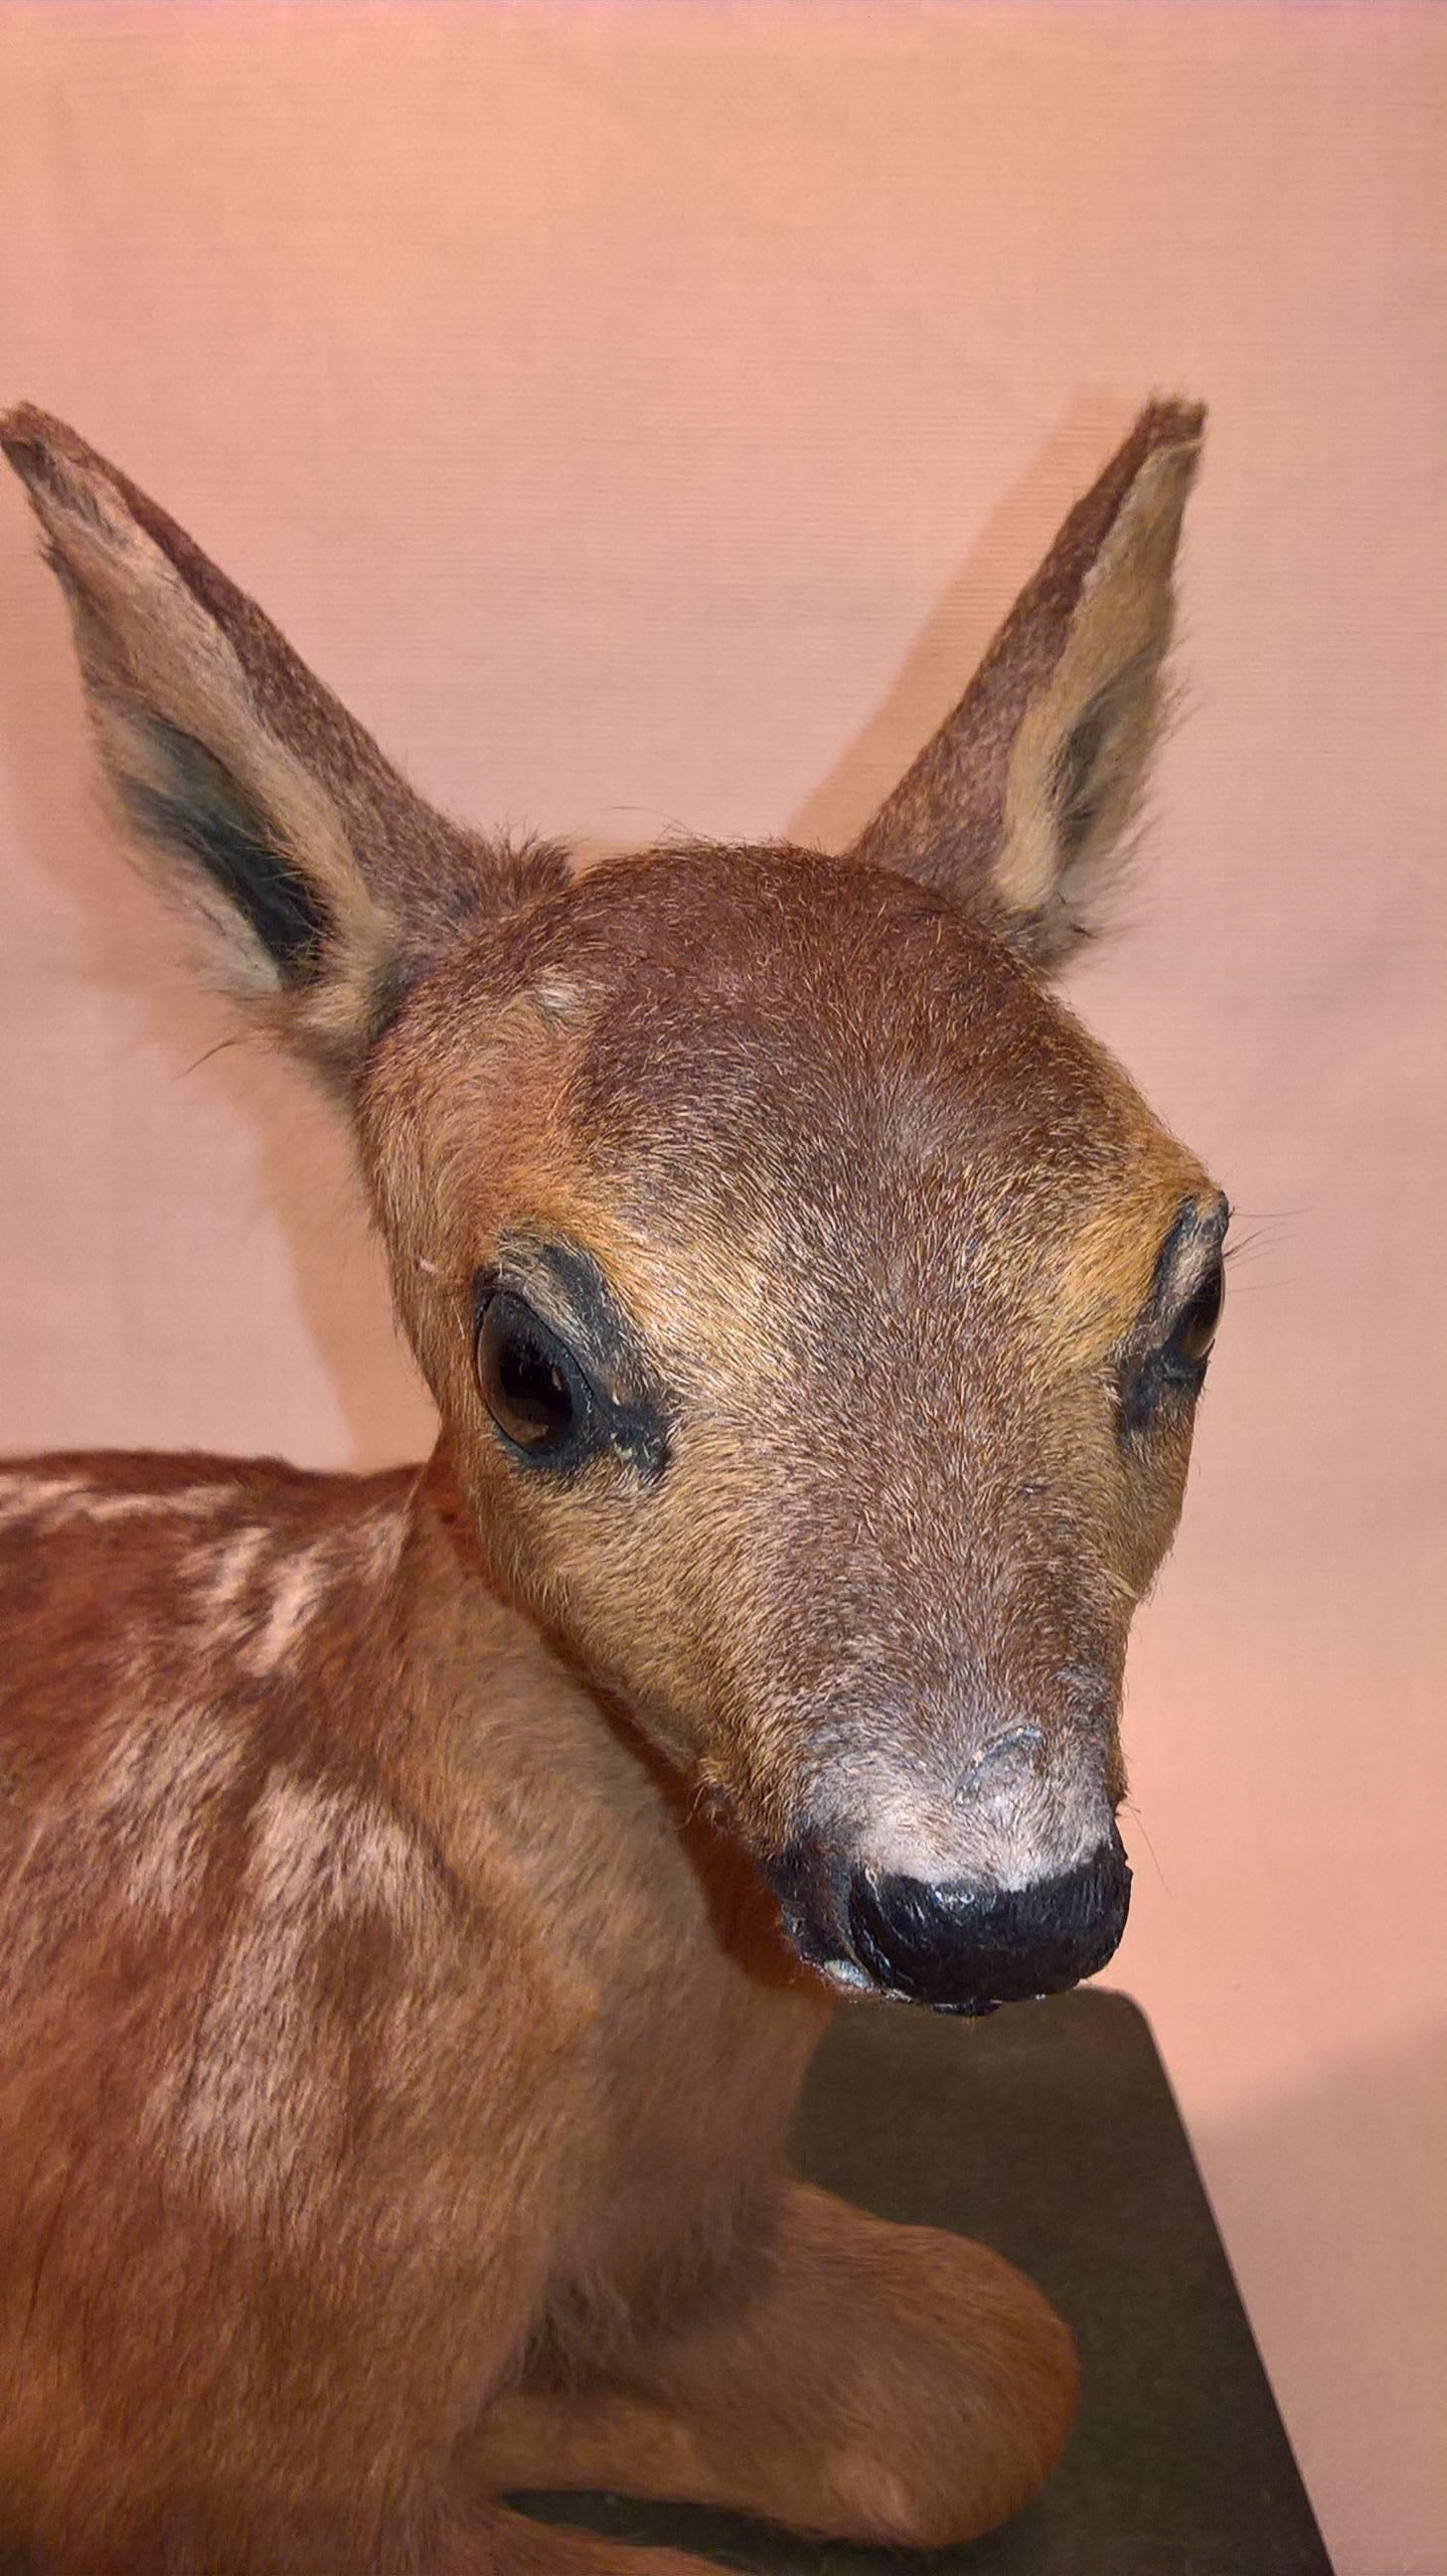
(1004, 1763)
(964, 1947)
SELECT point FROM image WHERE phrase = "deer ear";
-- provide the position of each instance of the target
(1018, 807)
(323, 882)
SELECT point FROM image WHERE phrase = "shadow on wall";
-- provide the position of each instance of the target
(943, 658)
(305, 1172)
(1354, 2163)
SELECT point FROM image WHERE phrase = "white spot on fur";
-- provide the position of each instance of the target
(189, 1502)
(556, 1001)
(260, 2101)
(299, 1584)
(137, 1833)
(24, 1495)
(158, 1794)
(54, 1498)
(303, 1580)
(385, 1536)
(224, 1575)
(339, 1850)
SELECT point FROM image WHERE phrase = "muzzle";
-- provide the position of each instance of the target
(958, 1946)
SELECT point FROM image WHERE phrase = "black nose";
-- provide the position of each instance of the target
(964, 1948)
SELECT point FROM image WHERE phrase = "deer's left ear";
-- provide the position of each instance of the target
(1018, 806)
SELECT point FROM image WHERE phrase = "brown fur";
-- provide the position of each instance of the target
(399, 2039)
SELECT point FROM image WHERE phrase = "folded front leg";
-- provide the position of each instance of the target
(873, 2382)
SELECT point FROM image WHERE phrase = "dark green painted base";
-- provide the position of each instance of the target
(1051, 2132)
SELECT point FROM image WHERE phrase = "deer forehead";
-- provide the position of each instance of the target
(755, 1086)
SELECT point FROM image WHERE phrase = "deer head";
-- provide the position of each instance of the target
(816, 1314)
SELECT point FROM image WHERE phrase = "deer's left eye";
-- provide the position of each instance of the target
(1173, 1368)
(1194, 1330)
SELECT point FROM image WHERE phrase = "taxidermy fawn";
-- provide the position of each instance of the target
(421, 1893)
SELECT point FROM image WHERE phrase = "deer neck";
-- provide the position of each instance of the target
(525, 1768)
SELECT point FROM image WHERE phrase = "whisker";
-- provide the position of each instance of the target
(220, 1048)
(1137, 1819)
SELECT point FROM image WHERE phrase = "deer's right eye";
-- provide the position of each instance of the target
(530, 1383)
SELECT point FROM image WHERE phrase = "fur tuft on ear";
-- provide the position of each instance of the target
(1019, 805)
(324, 883)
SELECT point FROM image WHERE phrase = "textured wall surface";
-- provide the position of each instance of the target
(642, 416)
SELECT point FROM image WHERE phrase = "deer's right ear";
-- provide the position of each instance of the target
(324, 882)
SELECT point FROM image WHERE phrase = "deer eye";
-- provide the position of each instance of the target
(1175, 1367)
(530, 1383)
(1194, 1330)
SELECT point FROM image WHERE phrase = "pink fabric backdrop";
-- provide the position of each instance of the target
(642, 416)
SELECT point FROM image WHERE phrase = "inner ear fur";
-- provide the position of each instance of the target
(324, 883)
(1018, 807)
